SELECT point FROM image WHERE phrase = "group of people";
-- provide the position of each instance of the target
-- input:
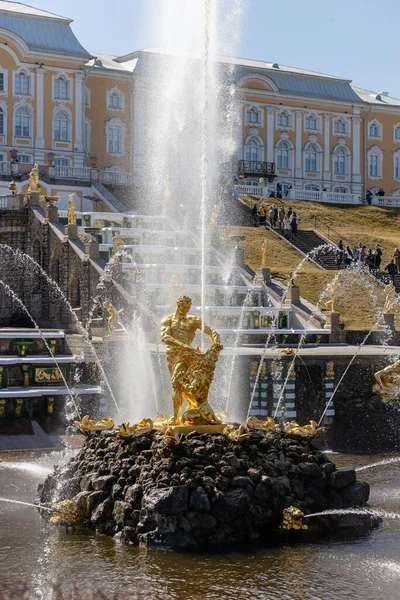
(372, 259)
(278, 218)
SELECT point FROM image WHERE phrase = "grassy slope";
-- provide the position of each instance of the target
(358, 296)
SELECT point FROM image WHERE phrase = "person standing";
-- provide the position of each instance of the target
(348, 256)
(378, 257)
(370, 260)
(287, 228)
(276, 214)
(289, 212)
(254, 215)
(396, 257)
(271, 218)
(281, 217)
(363, 255)
(294, 223)
(340, 252)
(392, 270)
(261, 215)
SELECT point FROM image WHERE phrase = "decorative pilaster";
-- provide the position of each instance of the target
(299, 139)
(50, 406)
(18, 405)
(327, 147)
(26, 370)
(329, 386)
(356, 149)
(39, 141)
(79, 111)
(270, 133)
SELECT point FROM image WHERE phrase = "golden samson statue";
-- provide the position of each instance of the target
(191, 370)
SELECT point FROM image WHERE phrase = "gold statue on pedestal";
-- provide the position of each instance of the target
(390, 297)
(114, 318)
(388, 382)
(117, 243)
(71, 210)
(34, 179)
(191, 370)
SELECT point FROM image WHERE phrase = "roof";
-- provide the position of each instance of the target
(378, 98)
(41, 31)
(26, 10)
(108, 62)
(288, 80)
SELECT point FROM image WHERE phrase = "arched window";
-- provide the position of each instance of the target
(251, 150)
(397, 133)
(61, 88)
(1, 121)
(312, 187)
(283, 119)
(375, 162)
(115, 133)
(339, 126)
(340, 189)
(114, 101)
(282, 155)
(340, 161)
(62, 162)
(22, 123)
(61, 127)
(22, 83)
(253, 116)
(396, 159)
(311, 158)
(373, 129)
(311, 122)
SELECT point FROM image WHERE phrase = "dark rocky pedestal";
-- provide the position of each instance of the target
(206, 490)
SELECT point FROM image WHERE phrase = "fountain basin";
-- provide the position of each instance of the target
(206, 490)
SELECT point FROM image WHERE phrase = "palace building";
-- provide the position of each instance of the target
(82, 117)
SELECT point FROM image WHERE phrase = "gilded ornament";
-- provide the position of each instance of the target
(292, 519)
(127, 431)
(191, 370)
(330, 370)
(390, 297)
(171, 437)
(117, 243)
(286, 352)
(237, 435)
(34, 179)
(66, 513)
(258, 425)
(331, 292)
(103, 425)
(71, 210)
(13, 187)
(114, 318)
(388, 382)
(87, 426)
(307, 431)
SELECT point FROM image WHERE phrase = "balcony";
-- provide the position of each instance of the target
(325, 197)
(255, 168)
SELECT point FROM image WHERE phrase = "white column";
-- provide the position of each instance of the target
(39, 141)
(79, 116)
(299, 139)
(238, 107)
(356, 149)
(270, 133)
(327, 147)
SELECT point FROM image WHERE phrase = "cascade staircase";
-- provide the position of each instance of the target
(307, 240)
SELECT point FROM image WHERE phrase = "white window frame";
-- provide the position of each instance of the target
(59, 159)
(4, 108)
(27, 115)
(396, 128)
(18, 78)
(88, 97)
(60, 133)
(112, 124)
(315, 118)
(62, 76)
(339, 130)
(314, 149)
(341, 162)
(312, 187)
(396, 165)
(377, 154)
(341, 189)
(4, 73)
(23, 156)
(283, 162)
(254, 142)
(378, 126)
(115, 90)
(288, 119)
(254, 110)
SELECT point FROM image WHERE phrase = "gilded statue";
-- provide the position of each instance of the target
(388, 382)
(71, 210)
(293, 519)
(191, 370)
(331, 290)
(264, 255)
(34, 179)
(390, 297)
(117, 243)
(114, 318)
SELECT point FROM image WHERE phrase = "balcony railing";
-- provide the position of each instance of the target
(115, 177)
(328, 197)
(11, 202)
(387, 201)
(82, 173)
(252, 190)
(255, 167)
(5, 168)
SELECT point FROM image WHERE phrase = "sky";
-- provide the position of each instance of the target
(354, 39)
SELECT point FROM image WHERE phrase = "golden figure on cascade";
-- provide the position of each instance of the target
(71, 210)
(390, 297)
(114, 318)
(117, 243)
(191, 370)
(34, 179)
(388, 382)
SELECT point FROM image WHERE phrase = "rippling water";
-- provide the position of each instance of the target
(367, 568)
